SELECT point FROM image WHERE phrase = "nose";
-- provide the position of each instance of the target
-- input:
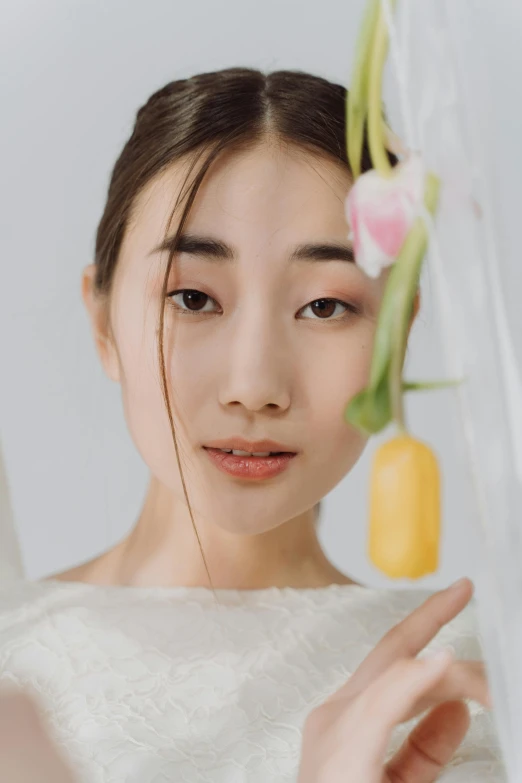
(257, 371)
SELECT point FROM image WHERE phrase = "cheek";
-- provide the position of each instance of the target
(142, 396)
(147, 419)
(342, 370)
(190, 367)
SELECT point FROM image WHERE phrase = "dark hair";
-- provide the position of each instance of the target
(201, 117)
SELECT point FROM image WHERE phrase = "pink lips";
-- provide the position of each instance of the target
(253, 468)
(250, 467)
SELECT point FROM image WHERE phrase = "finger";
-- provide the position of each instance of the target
(410, 636)
(27, 753)
(431, 745)
(19, 717)
(373, 715)
(462, 680)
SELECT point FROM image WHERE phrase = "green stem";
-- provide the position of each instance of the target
(409, 267)
(376, 136)
(357, 98)
(396, 386)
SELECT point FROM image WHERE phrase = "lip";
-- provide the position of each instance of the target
(249, 468)
(240, 444)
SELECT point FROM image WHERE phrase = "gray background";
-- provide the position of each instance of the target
(73, 75)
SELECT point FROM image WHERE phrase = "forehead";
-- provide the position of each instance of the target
(273, 190)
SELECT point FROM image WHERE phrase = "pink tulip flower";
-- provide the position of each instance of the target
(380, 211)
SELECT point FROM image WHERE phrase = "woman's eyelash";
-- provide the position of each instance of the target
(194, 302)
(191, 297)
(324, 305)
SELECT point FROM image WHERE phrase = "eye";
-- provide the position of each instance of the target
(328, 309)
(189, 300)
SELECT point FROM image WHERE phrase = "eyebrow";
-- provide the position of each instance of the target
(215, 249)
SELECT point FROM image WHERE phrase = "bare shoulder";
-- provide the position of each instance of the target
(76, 574)
(90, 572)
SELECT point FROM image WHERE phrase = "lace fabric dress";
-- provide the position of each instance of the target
(168, 685)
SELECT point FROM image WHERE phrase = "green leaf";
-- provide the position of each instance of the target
(370, 409)
(429, 385)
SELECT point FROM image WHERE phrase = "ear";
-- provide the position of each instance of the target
(98, 310)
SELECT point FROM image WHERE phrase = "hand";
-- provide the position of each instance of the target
(345, 740)
(27, 754)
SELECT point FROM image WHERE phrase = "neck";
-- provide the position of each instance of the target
(163, 550)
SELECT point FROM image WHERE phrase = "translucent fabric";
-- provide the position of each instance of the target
(448, 95)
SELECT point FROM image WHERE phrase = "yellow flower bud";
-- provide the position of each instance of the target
(405, 509)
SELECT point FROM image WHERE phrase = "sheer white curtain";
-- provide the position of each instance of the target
(455, 99)
(10, 555)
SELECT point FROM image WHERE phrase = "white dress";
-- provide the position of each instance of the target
(165, 685)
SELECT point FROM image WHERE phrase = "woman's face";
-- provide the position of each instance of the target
(268, 333)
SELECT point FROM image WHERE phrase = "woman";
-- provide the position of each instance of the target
(224, 300)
